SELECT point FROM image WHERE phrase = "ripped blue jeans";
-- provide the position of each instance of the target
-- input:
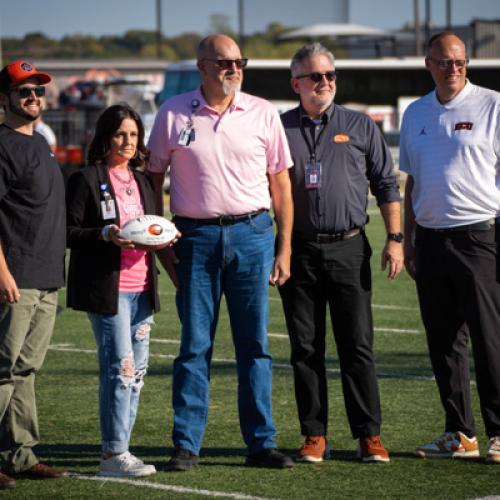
(123, 350)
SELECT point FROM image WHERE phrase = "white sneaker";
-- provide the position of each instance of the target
(450, 445)
(124, 465)
(493, 455)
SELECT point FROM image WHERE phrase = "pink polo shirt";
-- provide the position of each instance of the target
(224, 170)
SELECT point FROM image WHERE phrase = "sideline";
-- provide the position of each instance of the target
(168, 487)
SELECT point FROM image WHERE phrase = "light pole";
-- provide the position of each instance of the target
(416, 22)
(241, 28)
(427, 22)
(158, 29)
(448, 15)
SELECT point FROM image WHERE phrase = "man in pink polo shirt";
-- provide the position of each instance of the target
(228, 157)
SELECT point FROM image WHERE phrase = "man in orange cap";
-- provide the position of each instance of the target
(32, 246)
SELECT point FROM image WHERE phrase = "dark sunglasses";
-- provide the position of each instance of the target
(317, 77)
(448, 63)
(25, 92)
(228, 63)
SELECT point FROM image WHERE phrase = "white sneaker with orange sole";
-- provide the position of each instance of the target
(450, 445)
(493, 455)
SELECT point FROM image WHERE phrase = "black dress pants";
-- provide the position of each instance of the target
(337, 274)
(459, 295)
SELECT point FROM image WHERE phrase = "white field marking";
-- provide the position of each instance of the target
(233, 362)
(381, 329)
(164, 341)
(397, 330)
(375, 306)
(169, 487)
(395, 308)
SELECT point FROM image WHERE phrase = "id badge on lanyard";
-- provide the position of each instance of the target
(312, 174)
(187, 135)
(108, 208)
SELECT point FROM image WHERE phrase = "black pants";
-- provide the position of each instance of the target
(337, 274)
(459, 295)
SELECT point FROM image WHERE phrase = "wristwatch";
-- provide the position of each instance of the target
(398, 237)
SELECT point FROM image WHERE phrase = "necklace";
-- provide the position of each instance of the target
(127, 183)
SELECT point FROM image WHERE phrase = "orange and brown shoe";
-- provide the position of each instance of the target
(42, 471)
(314, 450)
(371, 449)
(6, 482)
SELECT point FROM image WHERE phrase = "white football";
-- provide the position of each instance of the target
(150, 231)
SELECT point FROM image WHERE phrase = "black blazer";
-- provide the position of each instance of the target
(94, 265)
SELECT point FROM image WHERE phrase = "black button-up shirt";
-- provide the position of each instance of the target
(353, 157)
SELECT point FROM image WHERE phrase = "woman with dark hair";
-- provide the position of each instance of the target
(115, 283)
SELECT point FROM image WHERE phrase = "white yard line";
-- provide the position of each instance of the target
(381, 329)
(375, 306)
(394, 308)
(397, 330)
(164, 341)
(169, 487)
(65, 348)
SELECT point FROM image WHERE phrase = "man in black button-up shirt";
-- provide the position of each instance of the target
(337, 154)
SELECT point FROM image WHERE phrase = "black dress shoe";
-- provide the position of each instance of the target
(6, 482)
(270, 458)
(182, 460)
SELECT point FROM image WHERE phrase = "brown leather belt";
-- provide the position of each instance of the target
(226, 220)
(328, 237)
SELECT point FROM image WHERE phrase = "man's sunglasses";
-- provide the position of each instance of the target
(228, 63)
(25, 92)
(317, 77)
(448, 63)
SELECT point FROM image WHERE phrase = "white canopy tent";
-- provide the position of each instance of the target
(335, 30)
(350, 35)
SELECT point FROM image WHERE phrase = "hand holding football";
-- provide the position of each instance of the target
(149, 232)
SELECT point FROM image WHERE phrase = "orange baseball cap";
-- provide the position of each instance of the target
(17, 72)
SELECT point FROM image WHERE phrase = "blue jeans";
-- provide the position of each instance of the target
(236, 261)
(123, 349)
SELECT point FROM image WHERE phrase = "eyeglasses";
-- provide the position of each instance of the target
(25, 92)
(228, 63)
(318, 77)
(448, 63)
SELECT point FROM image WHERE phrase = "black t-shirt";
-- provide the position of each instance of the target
(32, 210)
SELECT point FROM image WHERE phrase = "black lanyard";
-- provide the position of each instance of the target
(317, 138)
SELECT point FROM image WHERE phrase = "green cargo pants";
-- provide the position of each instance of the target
(25, 331)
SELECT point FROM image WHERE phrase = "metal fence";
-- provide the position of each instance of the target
(74, 131)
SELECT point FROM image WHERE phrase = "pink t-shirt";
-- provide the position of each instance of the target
(223, 171)
(134, 264)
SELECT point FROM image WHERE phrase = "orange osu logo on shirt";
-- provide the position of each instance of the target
(341, 138)
(155, 229)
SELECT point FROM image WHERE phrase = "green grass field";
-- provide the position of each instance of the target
(67, 403)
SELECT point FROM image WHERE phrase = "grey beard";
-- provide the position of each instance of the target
(230, 88)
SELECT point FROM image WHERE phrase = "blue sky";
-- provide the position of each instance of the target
(59, 17)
